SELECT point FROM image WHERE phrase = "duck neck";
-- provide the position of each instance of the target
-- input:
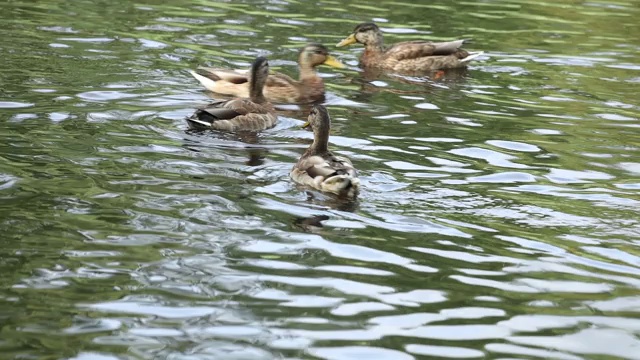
(255, 92)
(320, 141)
(256, 85)
(307, 72)
(372, 53)
(376, 45)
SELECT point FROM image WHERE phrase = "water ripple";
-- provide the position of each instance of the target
(497, 215)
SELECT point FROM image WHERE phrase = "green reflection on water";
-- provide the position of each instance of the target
(106, 199)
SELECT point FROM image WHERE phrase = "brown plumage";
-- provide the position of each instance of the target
(279, 87)
(318, 167)
(408, 56)
(252, 114)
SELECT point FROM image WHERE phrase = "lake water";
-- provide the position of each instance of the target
(498, 217)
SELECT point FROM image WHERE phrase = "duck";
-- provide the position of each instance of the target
(279, 88)
(407, 56)
(254, 113)
(318, 168)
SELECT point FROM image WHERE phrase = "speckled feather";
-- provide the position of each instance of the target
(279, 87)
(242, 114)
(318, 167)
(234, 115)
(417, 55)
(408, 56)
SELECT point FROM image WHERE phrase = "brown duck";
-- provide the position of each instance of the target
(408, 56)
(279, 88)
(318, 167)
(241, 114)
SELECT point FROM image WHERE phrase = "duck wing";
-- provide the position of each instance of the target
(326, 166)
(232, 76)
(233, 115)
(410, 50)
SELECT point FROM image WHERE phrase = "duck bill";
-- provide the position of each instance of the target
(305, 125)
(351, 39)
(333, 62)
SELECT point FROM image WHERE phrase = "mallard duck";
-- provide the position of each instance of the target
(318, 167)
(408, 56)
(279, 87)
(252, 114)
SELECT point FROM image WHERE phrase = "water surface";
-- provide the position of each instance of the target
(498, 216)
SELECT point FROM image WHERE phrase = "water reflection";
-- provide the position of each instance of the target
(256, 153)
(342, 203)
(497, 217)
(419, 77)
(410, 87)
(311, 222)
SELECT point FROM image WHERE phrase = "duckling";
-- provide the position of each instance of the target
(408, 56)
(252, 114)
(318, 167)
(279, 88)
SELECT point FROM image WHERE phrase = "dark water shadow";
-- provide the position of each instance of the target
(310, 223)
(256, 153)
(420, 83)
(331, 201)
(416, 77)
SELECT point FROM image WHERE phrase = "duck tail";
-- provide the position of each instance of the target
(197, 124)
(207, 82)
(447, 48)
(342, 184)
(471, 56)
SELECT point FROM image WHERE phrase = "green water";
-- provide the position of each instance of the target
(498, 217)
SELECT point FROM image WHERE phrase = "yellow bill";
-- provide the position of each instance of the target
(351, 39)
(306, 124)
(333, 62)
